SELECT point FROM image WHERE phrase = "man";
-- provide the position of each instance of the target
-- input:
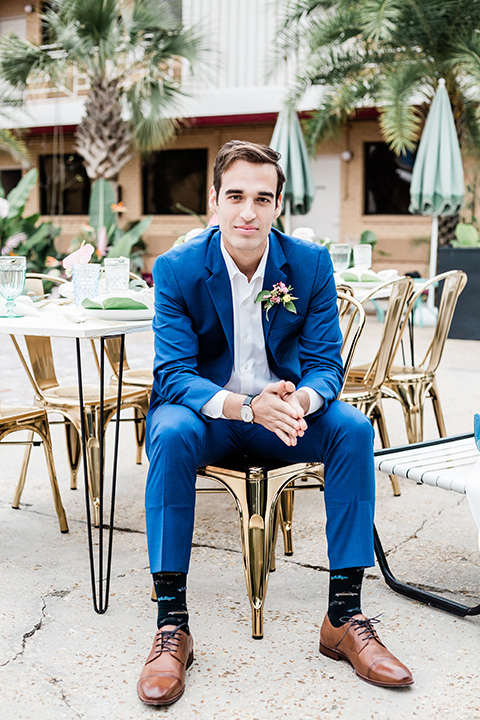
(228, 377)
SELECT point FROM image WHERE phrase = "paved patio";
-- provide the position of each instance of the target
(59, 660)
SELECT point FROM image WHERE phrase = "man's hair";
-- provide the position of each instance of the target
(250, 152)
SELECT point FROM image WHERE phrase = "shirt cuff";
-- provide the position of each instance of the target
(316, 400)
(214, 407)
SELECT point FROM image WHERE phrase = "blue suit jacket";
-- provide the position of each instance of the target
(193, 321)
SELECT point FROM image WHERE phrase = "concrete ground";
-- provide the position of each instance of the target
(59, 660)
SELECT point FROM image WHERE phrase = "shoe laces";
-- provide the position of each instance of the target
(168, 640)
(363, 627)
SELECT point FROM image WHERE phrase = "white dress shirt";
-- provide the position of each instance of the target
(251, 371)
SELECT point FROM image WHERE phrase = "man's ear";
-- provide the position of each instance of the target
(212, 200)
(278, 209)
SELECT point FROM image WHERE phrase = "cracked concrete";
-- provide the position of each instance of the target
(61, 661)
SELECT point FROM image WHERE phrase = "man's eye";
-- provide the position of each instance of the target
(264, 200)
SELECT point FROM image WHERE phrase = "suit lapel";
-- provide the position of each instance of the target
(218, 285)
(273, 275)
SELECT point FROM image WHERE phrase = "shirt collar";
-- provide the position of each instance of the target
(233, 269)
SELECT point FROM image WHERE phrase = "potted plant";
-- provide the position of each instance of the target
(463, 253)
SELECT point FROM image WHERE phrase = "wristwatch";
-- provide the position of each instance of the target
(246, 410)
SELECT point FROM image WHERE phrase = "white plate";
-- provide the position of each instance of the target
(146, 314)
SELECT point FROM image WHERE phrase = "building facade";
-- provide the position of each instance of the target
(237, 95)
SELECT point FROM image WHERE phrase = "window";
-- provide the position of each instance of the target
(387, 180)
(16, 25)
(175, 176)
(64, 185)
(9, 179)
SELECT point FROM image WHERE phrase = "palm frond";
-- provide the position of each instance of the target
(336, 107)
(380, 18)
(400, 120)
(148, 16)
(19, 60)
(466, 55)
(14, 147)
(153, 105)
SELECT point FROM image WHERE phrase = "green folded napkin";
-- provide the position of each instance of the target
(114, 303)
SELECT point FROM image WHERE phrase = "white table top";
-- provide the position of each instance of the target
(53, 321)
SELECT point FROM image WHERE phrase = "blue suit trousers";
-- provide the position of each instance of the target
(179, 440)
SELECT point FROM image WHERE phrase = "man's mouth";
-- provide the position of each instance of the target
(246, 228)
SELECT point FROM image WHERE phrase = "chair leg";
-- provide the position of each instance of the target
(378, 416)
(23, 471)
(285, 504)
(276, 522)
(256, 497)
(437, 409)
(57, 500)
(74, 451)
(412, 398)
(139, 432)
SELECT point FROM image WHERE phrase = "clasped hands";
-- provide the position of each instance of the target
(280, 408)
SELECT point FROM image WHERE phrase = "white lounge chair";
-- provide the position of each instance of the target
(449, 463)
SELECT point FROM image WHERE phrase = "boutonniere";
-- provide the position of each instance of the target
(279, 294)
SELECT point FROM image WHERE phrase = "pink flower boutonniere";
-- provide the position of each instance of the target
(279, 294)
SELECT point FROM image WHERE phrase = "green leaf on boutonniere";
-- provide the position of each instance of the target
(262, 295)
(291, 307)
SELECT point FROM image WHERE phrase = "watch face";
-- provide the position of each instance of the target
(247, 413)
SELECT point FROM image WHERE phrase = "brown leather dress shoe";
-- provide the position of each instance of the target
(357, 642)
(162, 680)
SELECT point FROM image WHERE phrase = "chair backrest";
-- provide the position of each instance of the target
(34, 282)
(401, 290)
(41, 371)
(351, 316)
(453, 283)
(113, 349)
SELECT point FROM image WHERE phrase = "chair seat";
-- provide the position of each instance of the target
(408, 374)
(68, 395)
(358, 392)
(19, 414)
(142, 377)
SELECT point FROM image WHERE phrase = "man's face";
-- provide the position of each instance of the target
(246, 206)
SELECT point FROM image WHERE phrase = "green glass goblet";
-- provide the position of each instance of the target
(12, 282)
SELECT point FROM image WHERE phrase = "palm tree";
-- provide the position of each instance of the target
(388, 53)
(10, 142)
(127, 49)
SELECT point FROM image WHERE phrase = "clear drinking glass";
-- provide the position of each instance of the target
(117, 274)
(85, 281)
(362, 256)
(12, 281)
(340, 254)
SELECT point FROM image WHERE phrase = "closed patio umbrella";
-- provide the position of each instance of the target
(437, 186)
(299, 188)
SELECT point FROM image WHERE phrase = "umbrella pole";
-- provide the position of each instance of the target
(432, 271)
(288, 217)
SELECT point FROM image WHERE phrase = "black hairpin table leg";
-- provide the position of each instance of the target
(100, 599)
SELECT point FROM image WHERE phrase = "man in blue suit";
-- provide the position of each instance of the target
(228, 377)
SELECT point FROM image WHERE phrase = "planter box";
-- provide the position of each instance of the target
(466, 319)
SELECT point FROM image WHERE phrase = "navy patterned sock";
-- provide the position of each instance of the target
(344, 594)
(171, 591)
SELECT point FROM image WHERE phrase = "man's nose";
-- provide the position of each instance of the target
(248, 211)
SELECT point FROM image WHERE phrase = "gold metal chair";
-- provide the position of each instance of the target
(363, 386)
(34, 420)
(142, 377)
(56, 398)
(64, 399)
(413, 385)
(256, 488)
